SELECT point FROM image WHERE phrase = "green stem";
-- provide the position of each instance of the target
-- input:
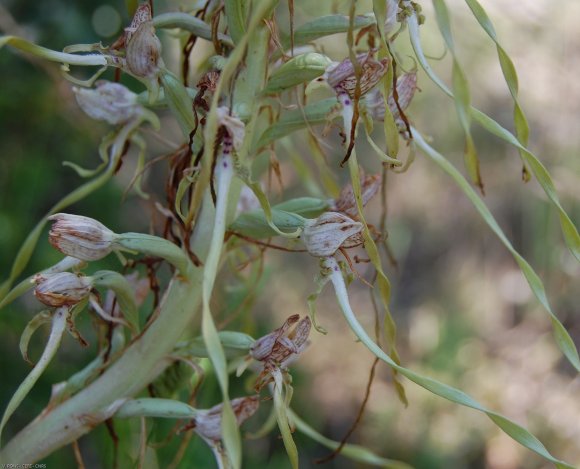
(141, 362)
(230, 433)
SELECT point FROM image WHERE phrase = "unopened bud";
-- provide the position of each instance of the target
(144, 51)
(108, 101)
(324, 235)
(62, 289)
(342, 76)
(208, 423)
(391, 16)
(80, 237)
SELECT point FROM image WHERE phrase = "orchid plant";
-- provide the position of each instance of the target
(263, 82)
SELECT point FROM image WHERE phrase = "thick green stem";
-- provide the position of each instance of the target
(137, 367)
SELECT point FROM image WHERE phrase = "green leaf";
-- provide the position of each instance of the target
(282, 409)
(307, 207)
(383, 281)
(461, 95)
(179, 101)
(515, 431)
(542, 175)
(236, 14)
(38, 320)
(254, 224)
(291, 121)
(155, 407)
(58, 326)
(155, 246)
(190, 24)
(355, 452)
(300, 69)
(563, 339)
(123, 292)
(54, 56)
(235, 344)
(326, 26)
(511, 78)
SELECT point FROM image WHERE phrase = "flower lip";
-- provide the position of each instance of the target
(80, 237)
(61, 289)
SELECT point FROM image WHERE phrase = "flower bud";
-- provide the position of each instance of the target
(110, 102)
(62, 289)
(80, 237)
(144, 51)
(324, 235)
(391, 16)
(342, 76)
(208, 423)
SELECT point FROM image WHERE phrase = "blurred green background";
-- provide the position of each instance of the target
(465, 313)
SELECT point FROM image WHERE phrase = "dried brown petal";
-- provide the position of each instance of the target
(346, 202)
(342, 76)
(208, 422)
(324, 235)
(278, 349)
(142, 15)
(406, 87)
(262, 348)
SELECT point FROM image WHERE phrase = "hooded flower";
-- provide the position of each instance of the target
(208, 423)
(80, 237)
(324, 235)
(108, 101)
(61, 289)
(142, 46)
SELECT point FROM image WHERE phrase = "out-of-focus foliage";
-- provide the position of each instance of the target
(465, 313)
